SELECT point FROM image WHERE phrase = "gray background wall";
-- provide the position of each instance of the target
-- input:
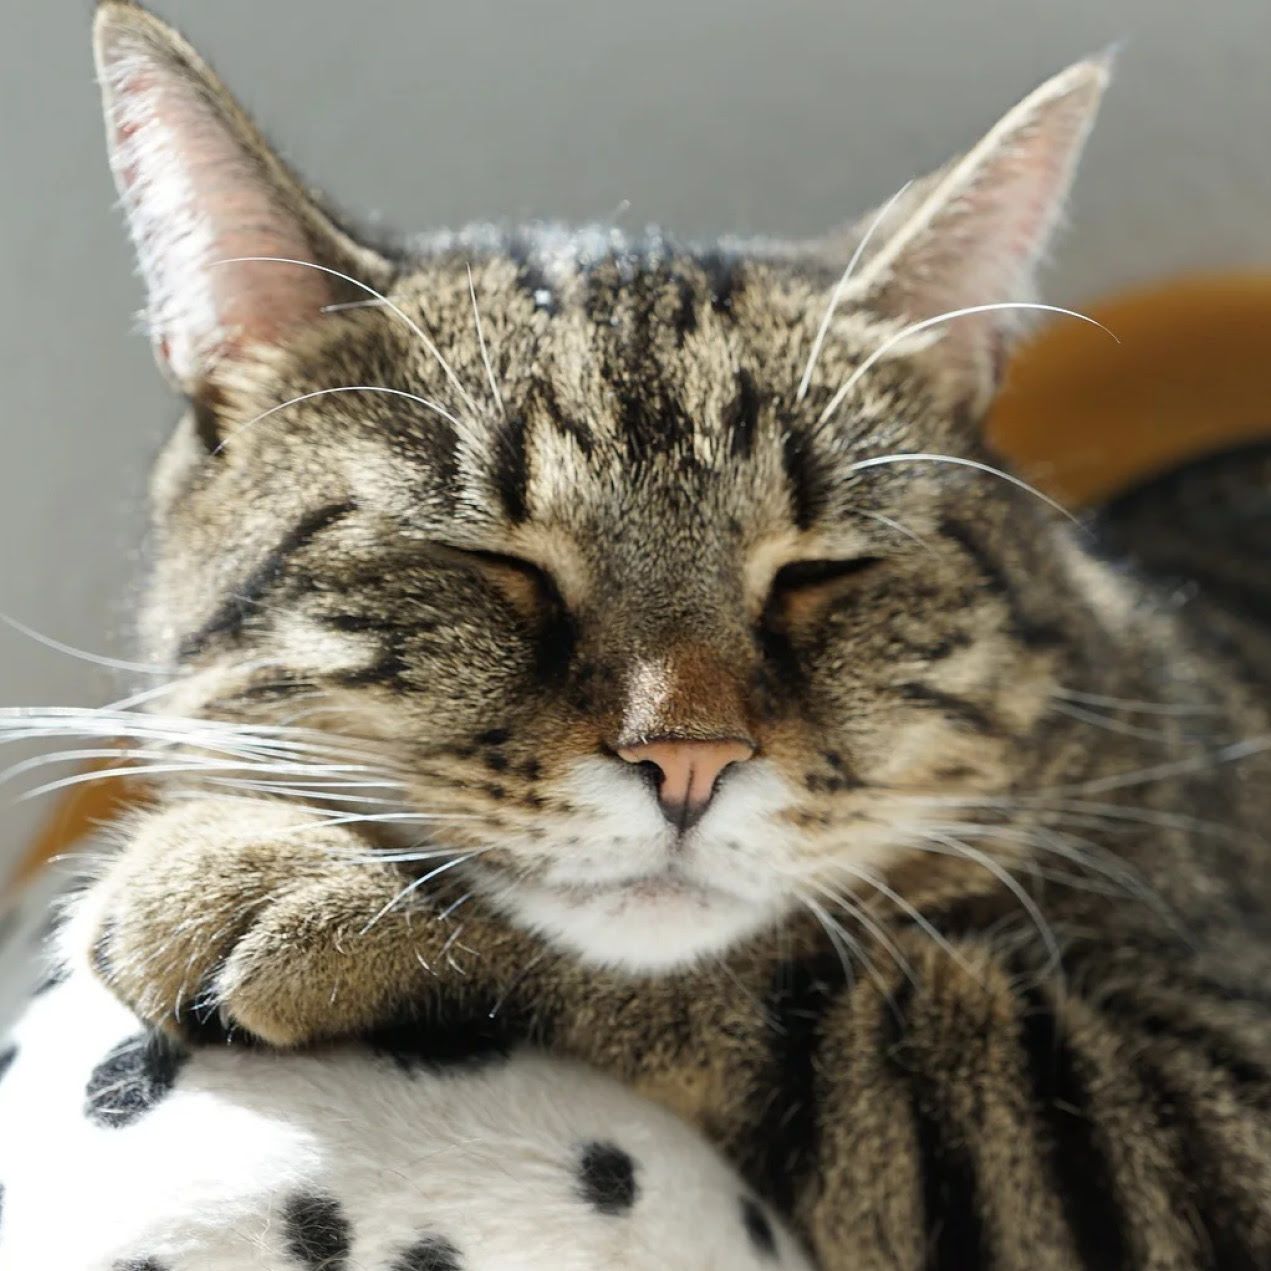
(763, 115)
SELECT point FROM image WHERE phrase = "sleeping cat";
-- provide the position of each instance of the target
(634, 648)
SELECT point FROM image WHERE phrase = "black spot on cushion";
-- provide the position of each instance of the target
(317, 1232)
(135, 1076)
(606, 1178)
(145, 1264)
(432, 1253)
(758, 1228)
(7, 1056)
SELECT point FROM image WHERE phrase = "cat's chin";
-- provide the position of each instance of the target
(646, 926)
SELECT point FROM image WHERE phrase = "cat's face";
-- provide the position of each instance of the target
(585, 536)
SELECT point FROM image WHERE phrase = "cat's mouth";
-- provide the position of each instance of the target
(665, 885)
(651, 922)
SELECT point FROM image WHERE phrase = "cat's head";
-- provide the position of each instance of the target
(670, 581)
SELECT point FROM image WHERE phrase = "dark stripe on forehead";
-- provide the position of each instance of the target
(807, 496)
(510, 467)
(543, 398)
(650, 415)
(684, 319)
(724, 278)
(227, 622)
(741, 416)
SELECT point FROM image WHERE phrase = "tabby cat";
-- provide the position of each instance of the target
(634, 647)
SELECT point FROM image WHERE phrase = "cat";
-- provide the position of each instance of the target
(635, 648)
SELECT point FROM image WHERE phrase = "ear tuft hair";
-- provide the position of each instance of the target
(200, 186)
(973, 233)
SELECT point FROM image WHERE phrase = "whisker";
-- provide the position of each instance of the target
(107, 774)
(1004, 876)
(345, 388)
(1224, 754)
(925, 544)
(450, 909)
(848, 948)
(844, 945)
(419, 332)
(1117, 726)
(312, 793)
(840, 287)
(97, 659)
(416, 884)
(1133, 704)
(485, 355)
(861, 914)
(325, 819)
(921, 457)
(914, 328)
(919, 918)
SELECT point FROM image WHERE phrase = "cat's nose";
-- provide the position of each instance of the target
(687, 773)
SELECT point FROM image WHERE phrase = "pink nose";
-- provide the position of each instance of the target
(687, 773)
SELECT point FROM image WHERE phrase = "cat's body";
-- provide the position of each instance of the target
(771, 749)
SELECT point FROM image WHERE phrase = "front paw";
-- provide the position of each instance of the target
(250, 916)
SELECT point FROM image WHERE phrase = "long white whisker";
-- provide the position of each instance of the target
(20, 721)
(138, 699)
(879, 461)
(858, 911)
(914, 328)
(840, 287)
(416, 885)
(831, 926)
(108, 774)
(326, 392)
(1120, 727)
(322, 820)
(919, 918)
(925, 544)
(97, 659)
(1134, 705)
(485, 355)
(1012, 884)
(311, 793)
(847, 949)
(1224, 754)
(419, 332)
(353, 304)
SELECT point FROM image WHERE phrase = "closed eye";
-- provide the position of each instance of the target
(802, 575)
(528, 585)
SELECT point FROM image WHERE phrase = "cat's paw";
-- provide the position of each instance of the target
(251, 916)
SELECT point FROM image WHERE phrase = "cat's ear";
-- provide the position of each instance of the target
(200, 187)
(973, 233)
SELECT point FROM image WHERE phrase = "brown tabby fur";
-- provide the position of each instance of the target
(1049, 1047)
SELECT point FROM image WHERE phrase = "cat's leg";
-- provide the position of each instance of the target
(986, 1111)
(257, 915)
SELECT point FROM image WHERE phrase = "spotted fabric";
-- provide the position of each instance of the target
(398, 1154)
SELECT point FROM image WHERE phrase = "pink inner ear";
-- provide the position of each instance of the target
(196, 195)
(976, 237)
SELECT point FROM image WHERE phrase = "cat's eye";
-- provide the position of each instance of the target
(802, 575)
(528, 585)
